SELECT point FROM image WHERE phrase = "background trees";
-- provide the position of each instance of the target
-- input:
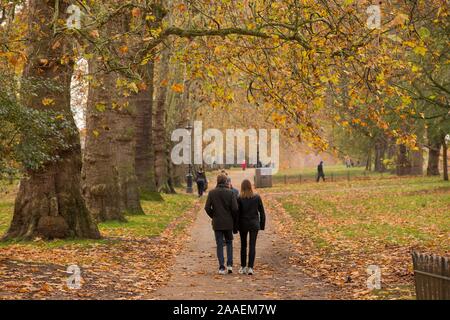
(310, 68)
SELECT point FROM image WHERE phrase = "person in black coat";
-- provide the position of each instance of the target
(202, 182)
(320, 173)
(252, 218)
(221, 205)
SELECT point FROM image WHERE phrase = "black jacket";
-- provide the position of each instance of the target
(200, 176)
(222, 207)
(251, 214)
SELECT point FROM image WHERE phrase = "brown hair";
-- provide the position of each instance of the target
(221, 179)
(246, 189)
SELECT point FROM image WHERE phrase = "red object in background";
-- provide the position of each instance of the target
(244, 165)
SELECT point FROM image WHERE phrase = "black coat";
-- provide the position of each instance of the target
(222, 207)
(251, 214)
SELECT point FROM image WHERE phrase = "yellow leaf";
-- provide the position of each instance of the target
(420, 50)
(177, 87)
(48, 101)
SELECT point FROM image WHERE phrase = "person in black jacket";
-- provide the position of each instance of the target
(202, 182)
(252, 218)
(221, 205)
(320, 173)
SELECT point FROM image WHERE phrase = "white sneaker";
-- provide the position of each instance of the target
(250, 271)
(230, 269)
(222, 271)
(243, 270)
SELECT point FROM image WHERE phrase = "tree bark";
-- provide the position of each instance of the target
(110, 182)
(403, 163)
(159, 142)
(380, 150)
(49, 202)
(100, 176)
(417, 162)
(145, 167)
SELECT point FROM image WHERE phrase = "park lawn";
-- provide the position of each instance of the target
(129, 261)
(159, 213)
(341, 228)
(336, 171)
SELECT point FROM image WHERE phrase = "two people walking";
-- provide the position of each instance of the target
(232, 214)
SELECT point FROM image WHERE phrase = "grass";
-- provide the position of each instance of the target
(335, 171)
(404, 211)
(358, 223)
(158, 215)
(160, 211)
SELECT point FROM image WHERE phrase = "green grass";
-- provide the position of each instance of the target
(335, 171)
(358, 223)
(158, 215)
(397, 211)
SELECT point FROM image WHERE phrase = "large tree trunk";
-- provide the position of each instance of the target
(110, 185)
(145, 167)
(159, 141)
(417, 162)
(380, 150)
(125, 157)
(49, 203)
(403, 163)
(433, 158)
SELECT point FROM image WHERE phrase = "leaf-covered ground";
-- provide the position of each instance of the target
(130, 262)
(339, 229)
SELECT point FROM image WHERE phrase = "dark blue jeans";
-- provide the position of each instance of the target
(227, 236)
(200, 187)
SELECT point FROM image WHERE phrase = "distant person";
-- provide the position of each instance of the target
(252, 218)
(244, 165)
(347, 161)
(230, 185)
(320, 173)
(222, 207)
(202, 182)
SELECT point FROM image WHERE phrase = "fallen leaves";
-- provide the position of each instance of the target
(115, 268)
(337, 237)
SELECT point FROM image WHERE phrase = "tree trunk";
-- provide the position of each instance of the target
(100, 175)
(433, 158)
(445, 158)
(417, 162)
(403, 163)
(159, 142)
(380, 150)
(369, 161)
(49, 202)
(145, 168)
(110, 183)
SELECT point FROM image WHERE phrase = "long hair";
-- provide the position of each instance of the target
(246, 189)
